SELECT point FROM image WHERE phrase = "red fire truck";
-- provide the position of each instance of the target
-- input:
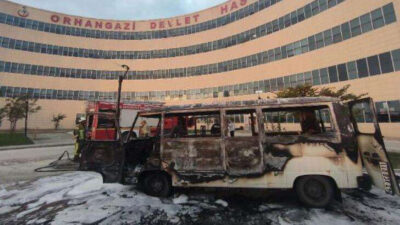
(100, 118)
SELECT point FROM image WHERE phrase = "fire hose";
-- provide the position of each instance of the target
(60, 165)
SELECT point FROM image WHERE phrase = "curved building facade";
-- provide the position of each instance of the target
(232, 51)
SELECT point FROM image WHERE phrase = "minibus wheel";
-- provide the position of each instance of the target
(157, 184)
(315, 191)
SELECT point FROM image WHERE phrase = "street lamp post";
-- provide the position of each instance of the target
(26, 116)
(118, 113)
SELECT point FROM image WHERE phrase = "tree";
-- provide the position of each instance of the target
(2, 114)
(307, 90)
(57, 119)
(18, 108)
(342, 93)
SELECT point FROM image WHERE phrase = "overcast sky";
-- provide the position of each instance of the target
(122, 9)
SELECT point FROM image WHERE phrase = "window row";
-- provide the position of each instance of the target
(387, 111)
(288, 20)
(370, 66)
(335, 35)
(74, 31)
(198, 124)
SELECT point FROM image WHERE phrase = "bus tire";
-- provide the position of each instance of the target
(157, 184)
(315, 191)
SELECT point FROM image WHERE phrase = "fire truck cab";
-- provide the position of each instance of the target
(100, 117)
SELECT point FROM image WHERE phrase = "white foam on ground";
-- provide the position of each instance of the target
(86, 187)
(7, 209)
(88, 198)
(221, 202)
(181, 199)
(82, 198)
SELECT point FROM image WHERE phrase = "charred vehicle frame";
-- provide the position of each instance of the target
(321, 151)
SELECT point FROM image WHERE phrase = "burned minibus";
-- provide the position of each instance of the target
(315, 146)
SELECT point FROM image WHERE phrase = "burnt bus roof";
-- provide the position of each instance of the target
(260, 102)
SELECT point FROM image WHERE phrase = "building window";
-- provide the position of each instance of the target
(293, 17)
(373, 65)
(307, 10)
(328, 37)
(352, 70)
(297, 48)
(300, 14)
(389, 13)
(278, 54)
(304, 46)
(396, 59)
(314, 7)
(311, 42)
(308, 78)
(346, 31)
(292, 80)
(355, 27)
(315, 76)
(322, 5)
(333, 77)
(366, 24)
(342, 72)
(337, 36)
(331, 3)
(394, 109)
(289, 49)
(284, 52)
(274, 86)
(362, 68)
(300, 79)
(385, 60)
(324, 76)
(377, 18)
(382, 112)
(319, 39)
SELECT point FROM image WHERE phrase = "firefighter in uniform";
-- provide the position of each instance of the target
(79, 133)
(143, 129)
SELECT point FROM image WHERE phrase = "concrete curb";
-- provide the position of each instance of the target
(18, 147)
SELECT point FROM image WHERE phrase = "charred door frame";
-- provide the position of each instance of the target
(378, 137)
(378, 133)
(370, 102)
(225, 135)
(269, 142)
(168, 167)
